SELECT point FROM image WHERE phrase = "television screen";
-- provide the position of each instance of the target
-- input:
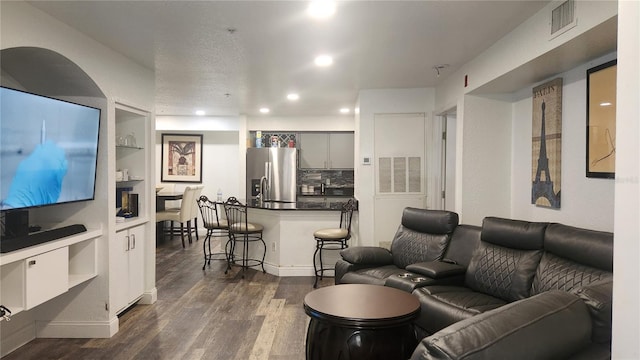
(48, 150)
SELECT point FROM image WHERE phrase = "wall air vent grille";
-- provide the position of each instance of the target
(563, 17)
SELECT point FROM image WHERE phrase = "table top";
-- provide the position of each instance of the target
(170, 195)
(362, 305)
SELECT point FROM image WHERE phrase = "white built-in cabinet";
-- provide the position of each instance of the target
(34, 275)
(319, 150)
(131, 244)
(127, 264)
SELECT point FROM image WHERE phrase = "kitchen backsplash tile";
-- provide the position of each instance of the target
(336, 178)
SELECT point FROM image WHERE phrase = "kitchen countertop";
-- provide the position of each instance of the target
(330, 205)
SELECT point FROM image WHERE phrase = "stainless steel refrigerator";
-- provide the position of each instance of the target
(272, 174)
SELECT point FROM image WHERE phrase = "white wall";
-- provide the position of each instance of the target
(372, 102)
(486, 159)
(626, 268)
(578, 191)
(301, 123)
(524, 44)
(219, 166)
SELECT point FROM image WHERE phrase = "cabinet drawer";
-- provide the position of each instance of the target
(47, 276)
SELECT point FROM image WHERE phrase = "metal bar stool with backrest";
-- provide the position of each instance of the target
(241, 231)
(217, 227)
(332, 239)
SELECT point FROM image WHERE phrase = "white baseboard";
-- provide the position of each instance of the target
(16, 339)
(149, 297)
(289, 270)
(77, 329)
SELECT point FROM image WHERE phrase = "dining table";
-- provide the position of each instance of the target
(162, 198)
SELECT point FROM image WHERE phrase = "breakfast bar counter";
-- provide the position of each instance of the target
(288, 232)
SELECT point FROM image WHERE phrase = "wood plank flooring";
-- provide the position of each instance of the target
(199, 315)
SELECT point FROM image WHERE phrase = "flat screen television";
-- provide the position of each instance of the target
(48, 150)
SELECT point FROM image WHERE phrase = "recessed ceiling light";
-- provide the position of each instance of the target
(200, 112)
(344, 110)
(321, 9)
(323, 60)
(605, 104)
(264, 110)
(293, 96)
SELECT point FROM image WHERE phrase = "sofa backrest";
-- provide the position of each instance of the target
(464, 241)
(573, 258)
(423, 235)
(506, 259)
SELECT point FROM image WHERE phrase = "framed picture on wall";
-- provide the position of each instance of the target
(546, 143)
(181, 158)
(601, 121)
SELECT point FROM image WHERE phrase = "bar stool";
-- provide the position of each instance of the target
(332, 239)
(243, 232)
(217, 227)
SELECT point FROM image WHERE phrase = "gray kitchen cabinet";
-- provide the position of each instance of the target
(326, 150)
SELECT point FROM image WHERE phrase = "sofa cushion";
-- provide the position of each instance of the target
(442, 306)
(423, 235)
(463, 242)
(553, 325)
(429, 221)
(375, 275)
(556, 273)
(598, 297)
(410, 247)
(516, 234)
(502, 272)
(587, 247)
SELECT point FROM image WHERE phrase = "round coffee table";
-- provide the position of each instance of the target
(358, 321)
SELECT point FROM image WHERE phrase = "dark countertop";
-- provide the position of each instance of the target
(329, 205)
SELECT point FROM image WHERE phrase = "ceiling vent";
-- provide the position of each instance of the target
(563, 18)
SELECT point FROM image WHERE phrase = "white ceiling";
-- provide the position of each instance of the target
(375, 44)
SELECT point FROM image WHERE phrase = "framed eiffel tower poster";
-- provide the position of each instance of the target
(546, 142)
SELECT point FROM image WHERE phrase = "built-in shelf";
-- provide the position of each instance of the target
(130, 181)
(127, 147)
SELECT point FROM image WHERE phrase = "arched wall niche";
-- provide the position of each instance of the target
(46, 72)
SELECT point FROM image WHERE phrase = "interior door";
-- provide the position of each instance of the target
(400, 171)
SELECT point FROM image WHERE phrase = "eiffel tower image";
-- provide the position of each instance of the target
(544, 188)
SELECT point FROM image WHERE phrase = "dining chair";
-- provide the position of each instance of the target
(183, 215)
(332, 239)
(243, 232)
(217, 227)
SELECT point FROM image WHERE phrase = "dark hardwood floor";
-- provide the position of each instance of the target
(199, 315)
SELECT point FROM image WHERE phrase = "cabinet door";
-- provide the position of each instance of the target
(136, 263)
(119, 271)
(341, 151)
(313, 150)
(47, 276)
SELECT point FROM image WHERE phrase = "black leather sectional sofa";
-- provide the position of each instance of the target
(510, 289)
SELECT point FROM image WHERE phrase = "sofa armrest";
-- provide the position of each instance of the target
(598, 297)
(367, 255)
(551, 325)
(437, 269)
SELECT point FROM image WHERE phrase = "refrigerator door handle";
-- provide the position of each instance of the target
(268, 173)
